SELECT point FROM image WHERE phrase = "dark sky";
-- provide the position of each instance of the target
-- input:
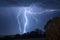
(8, 12)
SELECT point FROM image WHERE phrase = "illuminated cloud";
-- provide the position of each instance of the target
(31, 11)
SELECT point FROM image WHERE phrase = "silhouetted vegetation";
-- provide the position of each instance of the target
(53, 29)
(34, 34)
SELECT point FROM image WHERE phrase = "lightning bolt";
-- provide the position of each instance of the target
(19, 22)
(29, 10)
(26, 21)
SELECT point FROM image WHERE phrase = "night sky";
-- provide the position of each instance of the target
(9, 9)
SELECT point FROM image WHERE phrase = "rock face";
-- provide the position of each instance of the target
(53, 29)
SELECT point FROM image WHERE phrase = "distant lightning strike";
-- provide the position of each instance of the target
(26, 20)
(19, 21)
(28, 10)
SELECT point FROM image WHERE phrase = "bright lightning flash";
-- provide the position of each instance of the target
(30, 11)
(26, 10)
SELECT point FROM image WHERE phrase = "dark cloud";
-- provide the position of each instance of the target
(44, 3)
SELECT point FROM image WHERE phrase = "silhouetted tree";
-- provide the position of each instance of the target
(53, 29)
